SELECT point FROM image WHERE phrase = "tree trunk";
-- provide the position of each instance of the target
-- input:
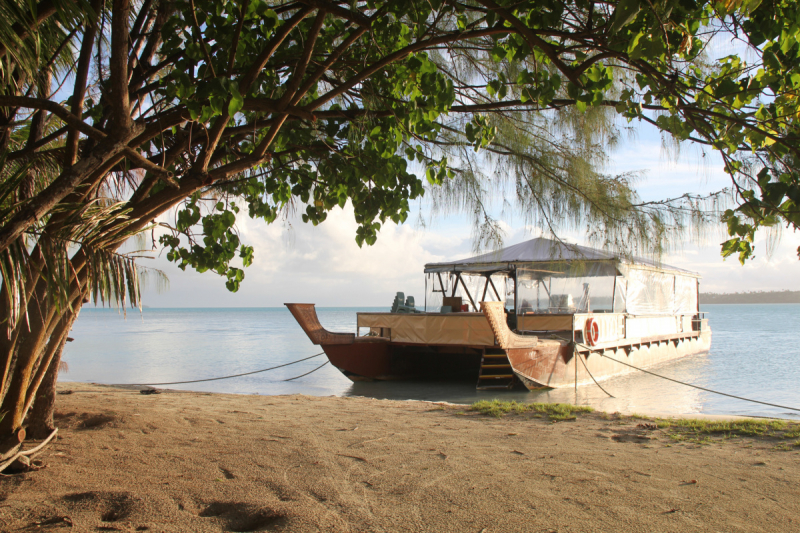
(40, 417)
(37, 347)
(40, 420)
(29, 348)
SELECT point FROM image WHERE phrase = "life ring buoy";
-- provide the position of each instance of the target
(591, 332)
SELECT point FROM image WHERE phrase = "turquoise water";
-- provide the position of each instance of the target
(753, 354)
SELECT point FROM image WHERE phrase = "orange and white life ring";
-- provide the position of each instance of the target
(591, 333)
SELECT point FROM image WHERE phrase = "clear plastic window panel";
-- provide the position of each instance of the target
(509, 288)
(541, 292)
(436, 287)
(650, 292)
(619, 295)
(685, 295)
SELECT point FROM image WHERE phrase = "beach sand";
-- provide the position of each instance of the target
(188, 462)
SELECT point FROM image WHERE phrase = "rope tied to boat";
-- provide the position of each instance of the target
(690, 384)
(232, 375)
(307, 373)
(578, 355)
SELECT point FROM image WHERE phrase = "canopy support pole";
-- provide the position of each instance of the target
(459, 278)
(485, 289)
(614, 297)
(495, 289)
(516, 307)
(441, 284)
(698, 298)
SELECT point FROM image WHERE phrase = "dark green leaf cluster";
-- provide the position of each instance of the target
(220, 243)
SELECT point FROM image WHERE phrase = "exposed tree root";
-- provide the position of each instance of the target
(27, 453)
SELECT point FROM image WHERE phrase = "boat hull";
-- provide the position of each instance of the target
(560, 363)
(568, 366)
(372, 358)
(391, 362)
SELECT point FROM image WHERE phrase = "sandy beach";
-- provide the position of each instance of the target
(179, 462)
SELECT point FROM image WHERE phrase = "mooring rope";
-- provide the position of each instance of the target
(228, 377)
(578, 355)
(699, 387)
(307, 373)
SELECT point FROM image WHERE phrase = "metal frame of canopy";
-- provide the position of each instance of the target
(458, 278)
(551, 257)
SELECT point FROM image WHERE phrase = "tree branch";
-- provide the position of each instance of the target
(79, 90)
(302, 64)
(273, 44)
(235, 46)
(533, 40)
(397, 56)
(56, 109)
(341, 12)
(118, 66)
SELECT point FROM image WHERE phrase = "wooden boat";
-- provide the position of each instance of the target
(630, 313)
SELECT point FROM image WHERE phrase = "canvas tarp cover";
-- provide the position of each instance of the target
(452, 328)
(541, 251)
(649, 292)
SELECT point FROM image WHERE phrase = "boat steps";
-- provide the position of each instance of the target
(495, 372)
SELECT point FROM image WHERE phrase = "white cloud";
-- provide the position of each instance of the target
(323, 265)
(780, 271)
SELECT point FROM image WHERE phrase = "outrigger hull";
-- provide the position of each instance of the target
(548, 369)
(376, 358)
(549, 366)
(392, 362)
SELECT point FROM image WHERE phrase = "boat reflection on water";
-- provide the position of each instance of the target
(636, 393)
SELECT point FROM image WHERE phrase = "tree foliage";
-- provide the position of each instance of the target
(113, 114)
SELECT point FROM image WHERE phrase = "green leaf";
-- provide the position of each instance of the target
(269, 20)
(624, 14)
(237, 102)
(499, 53)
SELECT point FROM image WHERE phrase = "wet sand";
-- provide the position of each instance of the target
(180, 462)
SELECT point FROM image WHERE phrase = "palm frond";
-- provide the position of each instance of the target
(114, 279)
(15, 271)
(29, 50)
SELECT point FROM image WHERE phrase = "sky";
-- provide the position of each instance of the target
(297, 262)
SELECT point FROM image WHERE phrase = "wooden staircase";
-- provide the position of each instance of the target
(495, 372)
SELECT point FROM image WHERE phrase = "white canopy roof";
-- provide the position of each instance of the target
(540, 250)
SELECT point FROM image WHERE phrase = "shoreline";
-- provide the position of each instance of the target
(168, 462)
(644, 412)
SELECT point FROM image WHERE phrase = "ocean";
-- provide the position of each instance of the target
(748, 358)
